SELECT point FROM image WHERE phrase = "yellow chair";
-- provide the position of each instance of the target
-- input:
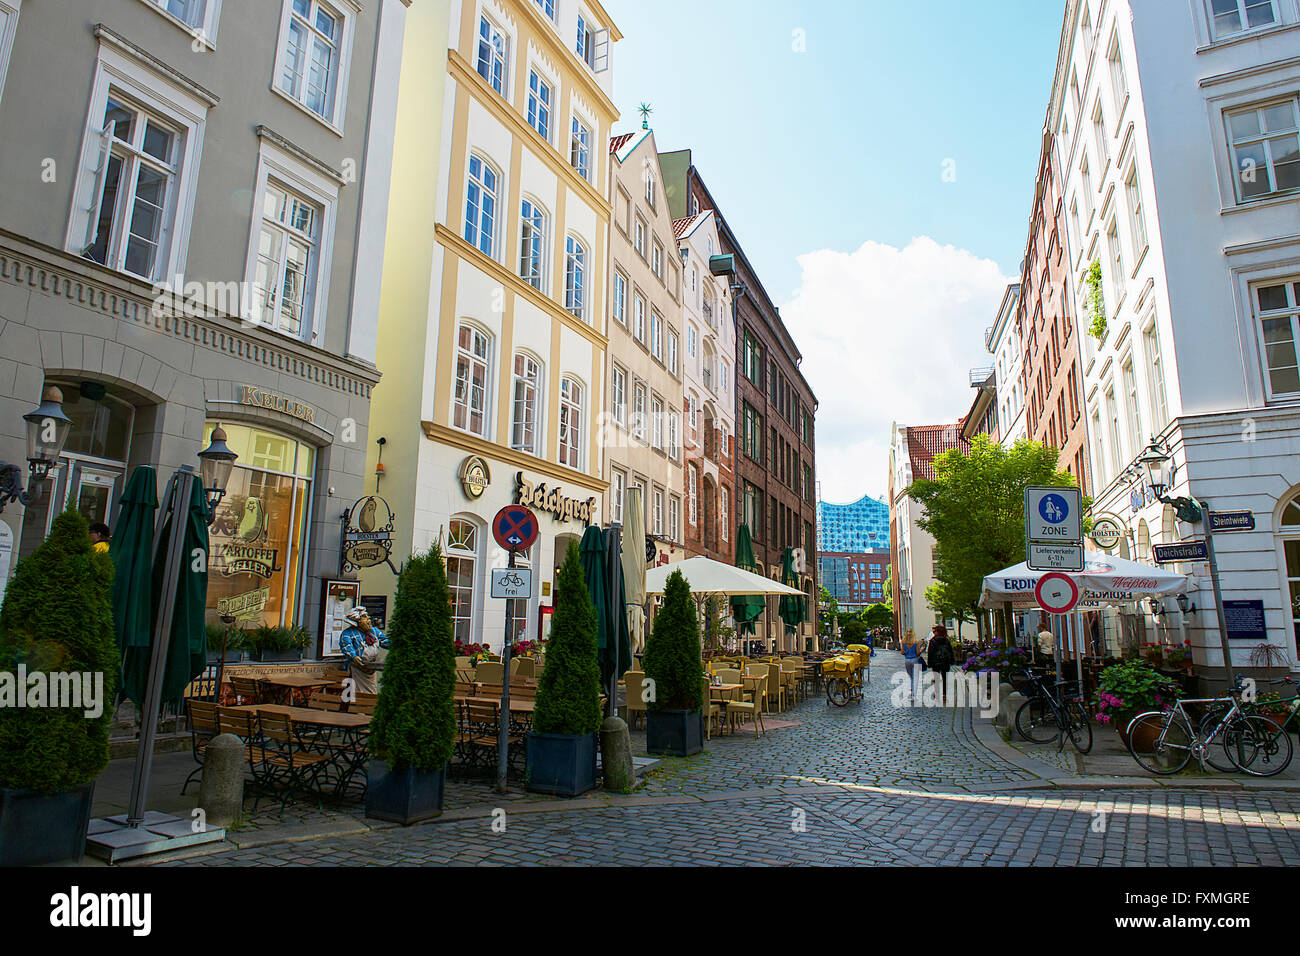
(523, 667)
(752, 707)
(635, 703)
(790, 679)
(775, 689)
(490, 672)
(712, 709)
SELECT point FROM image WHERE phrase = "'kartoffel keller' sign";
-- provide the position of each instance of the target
(552, 500)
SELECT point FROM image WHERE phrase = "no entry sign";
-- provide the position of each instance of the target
(515, 528)
(1056, 593)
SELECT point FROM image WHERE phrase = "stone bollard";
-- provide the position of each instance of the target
(221, 792)
(1008, 707)
(616, 755)
(1005, 690)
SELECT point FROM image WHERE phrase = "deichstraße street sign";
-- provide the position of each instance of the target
(1183, 551)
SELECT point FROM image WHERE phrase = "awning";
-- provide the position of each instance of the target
(706, 576)
(1105, 580)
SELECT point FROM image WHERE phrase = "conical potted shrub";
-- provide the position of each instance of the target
(566, 718)
(56, 631)
(414, 726)
(674, 724)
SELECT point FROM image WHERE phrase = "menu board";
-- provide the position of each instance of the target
(338, 599)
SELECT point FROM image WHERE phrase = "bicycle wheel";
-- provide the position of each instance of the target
(1159, 743)
(837, 691)
(1257, 745)
(1212, 756)
(1079, 727)
(1036, 722)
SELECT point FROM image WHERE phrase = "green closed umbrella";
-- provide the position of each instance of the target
(791, 608)
(131, 549)
(746, 610)
(592, 553)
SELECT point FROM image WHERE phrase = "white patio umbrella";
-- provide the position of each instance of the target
(634, 566)
(1104, 580)
(706, 576)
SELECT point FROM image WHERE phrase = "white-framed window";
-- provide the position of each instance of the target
(1156, 373)
(620, 299)
(657, 422)
(638, 317)
(539, 105)
(588, 40)
(473, 362)
(525, 432)
(1136, 217)
(674, 435)
(639, 414)
(724, 439)
(649, 188)
(1099, 135)
(618, 395)
(691, 338)
(657, 260)
(462, 560)
(570, 422)
(1237, 16)
(481, 204)
(1098, 459)
(675, 518)
(1085, 174)
(656, 335)
(288, 260)
(134, 193)
(580, 148)
(492, 54)
(1119, 276)
(723, 376)
(547, 7)
(672, 351)
(532, 243)
(1277, 310)
(312, 64)
(657, 511)
(724, 506)
(692, 496)
(1076, 242)
(617, 489)
(1133, 411)
(1118, 79)
(198, 17)
(575, 276)
(638, 237)
(1265, 143)
(8, 30)
(1112, 414)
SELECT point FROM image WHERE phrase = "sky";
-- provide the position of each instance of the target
(876, 160)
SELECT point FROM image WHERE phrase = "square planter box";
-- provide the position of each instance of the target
(674, 733)
(43, 828)
(403, 796)
(561, 764)
(275, 657)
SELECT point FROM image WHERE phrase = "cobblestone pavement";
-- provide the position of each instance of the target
(1060, 828)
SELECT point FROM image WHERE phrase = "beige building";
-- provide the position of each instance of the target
(641, 429)
(494, 366)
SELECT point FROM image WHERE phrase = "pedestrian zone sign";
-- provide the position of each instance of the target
(1053, 515)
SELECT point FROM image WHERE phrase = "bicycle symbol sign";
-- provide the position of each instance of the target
(512, 583)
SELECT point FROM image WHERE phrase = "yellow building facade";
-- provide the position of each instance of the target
(493, 316)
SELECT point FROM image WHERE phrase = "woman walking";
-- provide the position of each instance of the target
(912, 661)
(940, 657)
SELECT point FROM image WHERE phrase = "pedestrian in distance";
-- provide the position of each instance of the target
(940, 656)
(99, 537)
(912, 661)
(1046, 642)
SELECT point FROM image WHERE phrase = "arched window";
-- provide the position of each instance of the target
(575, 277)
(1289, 544)
(481, 205)
(570, 422)
(473, 359)
(462, 560)
(525, 427)
(532, 243)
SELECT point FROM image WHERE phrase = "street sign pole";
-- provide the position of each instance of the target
(1218, 595)
(503, 718)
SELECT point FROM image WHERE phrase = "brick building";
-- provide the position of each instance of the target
(774, 406)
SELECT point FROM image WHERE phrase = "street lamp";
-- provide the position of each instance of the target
(47, 431)
(1160, 471)
(215, 463)
(1184, 605)
(1156, 607)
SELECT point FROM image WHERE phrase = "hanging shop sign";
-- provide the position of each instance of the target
(553, 500)
(246, 607)
(367, 536)
(1107, 532)
(262, 398)
(474, 477)
(248, 551)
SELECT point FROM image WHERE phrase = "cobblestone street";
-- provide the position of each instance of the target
(865, 784)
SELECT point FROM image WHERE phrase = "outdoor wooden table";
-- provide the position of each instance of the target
(344, 744)
(518, 705)
(309, 715)
(290, 683)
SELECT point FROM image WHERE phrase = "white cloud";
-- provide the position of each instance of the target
(888, 335)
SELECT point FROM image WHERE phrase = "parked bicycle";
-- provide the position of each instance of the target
(1054, 711)
(1164, 742)
(1217, 711)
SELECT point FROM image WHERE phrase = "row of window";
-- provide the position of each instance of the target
(1124, 435)
(656, 335)
(657, 521)
(472, 400)
(648, 421)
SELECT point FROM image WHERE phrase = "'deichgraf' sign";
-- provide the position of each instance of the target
(367, 536)
(552, 500)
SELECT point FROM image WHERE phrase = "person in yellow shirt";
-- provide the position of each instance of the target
(99, 536)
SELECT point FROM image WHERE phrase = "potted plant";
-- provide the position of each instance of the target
(1153, 654)
(276, 643)
(1179, 656)
(562, 746)
(1005, 660)
(1129, 688)
(234, 642)
(56, 618)
(414, 726)
(672, 662)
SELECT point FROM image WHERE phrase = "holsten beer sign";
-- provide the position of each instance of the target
(553, 500)
(367, 535)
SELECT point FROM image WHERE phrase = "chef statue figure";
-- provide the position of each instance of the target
(365, 647)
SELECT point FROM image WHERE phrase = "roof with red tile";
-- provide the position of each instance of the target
(927, 442)
(619, 141)
(682, 226)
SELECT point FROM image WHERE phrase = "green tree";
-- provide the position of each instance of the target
(716, 631)
(57, 617)
(975, 510)
(415, 720)
(936, 595)
(568, 692)
(878, 615)
(827, 609)
(672, 655)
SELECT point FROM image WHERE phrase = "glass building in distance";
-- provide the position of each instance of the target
(853, 551)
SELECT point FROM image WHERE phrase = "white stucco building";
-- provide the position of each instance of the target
(1003, 343)
(1177, 126)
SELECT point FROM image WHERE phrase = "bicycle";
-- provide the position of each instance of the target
(1217, 712)
(844, 675)
(1163, 742)
(1061, 708)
